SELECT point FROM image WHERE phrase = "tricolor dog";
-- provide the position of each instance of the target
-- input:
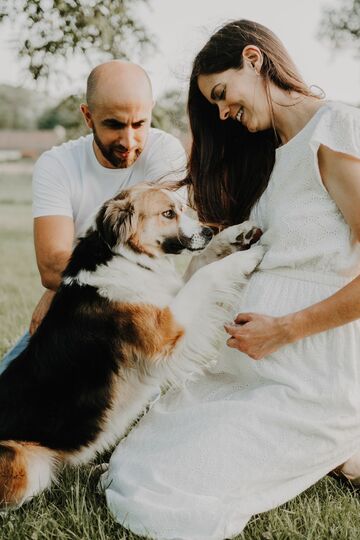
(122, 324)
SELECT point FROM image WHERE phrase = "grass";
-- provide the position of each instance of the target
(19, 283)
(75, 509)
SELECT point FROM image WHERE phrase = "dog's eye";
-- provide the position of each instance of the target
(169, 214)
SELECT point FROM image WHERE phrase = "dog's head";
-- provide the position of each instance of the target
(150, 218)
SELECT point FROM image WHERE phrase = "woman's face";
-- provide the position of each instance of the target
(239, 94)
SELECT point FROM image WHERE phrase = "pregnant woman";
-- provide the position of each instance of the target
(282, 406)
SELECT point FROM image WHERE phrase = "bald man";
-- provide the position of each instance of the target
(72, 180)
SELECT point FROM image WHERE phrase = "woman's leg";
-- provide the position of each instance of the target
(19, 346)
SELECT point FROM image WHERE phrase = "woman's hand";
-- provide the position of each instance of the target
(258, 335)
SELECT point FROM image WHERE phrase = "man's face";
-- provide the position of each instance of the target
(120, 132)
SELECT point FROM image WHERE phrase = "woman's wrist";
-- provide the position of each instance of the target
(293, 326)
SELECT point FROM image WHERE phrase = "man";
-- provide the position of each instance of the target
(72, 180)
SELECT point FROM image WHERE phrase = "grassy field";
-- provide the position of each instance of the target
(19, 283)
(75, 509)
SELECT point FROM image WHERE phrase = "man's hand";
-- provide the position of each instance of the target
(41, 310)
(258, 335)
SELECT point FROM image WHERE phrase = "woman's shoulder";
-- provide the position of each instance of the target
(338, 127)
(336, 111)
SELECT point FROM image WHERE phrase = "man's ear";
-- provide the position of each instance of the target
(87, 115)
(114, 221)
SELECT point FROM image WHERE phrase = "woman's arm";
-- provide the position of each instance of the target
(259, 335)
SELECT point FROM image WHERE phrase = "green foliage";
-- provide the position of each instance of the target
(50, 29)
(340, 26)
(67, 114)
(20, 108)
(170, 115)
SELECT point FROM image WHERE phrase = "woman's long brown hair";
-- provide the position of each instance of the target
(229, 167)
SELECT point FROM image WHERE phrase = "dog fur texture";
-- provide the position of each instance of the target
(122, 324)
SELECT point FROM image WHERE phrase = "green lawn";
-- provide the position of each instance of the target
(75, 509)
(20, 287)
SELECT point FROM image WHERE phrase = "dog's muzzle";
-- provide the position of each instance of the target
(196, 242)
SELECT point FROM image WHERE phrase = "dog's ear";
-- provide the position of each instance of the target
(114, 221)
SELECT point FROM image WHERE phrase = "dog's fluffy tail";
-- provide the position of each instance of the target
(26, 469)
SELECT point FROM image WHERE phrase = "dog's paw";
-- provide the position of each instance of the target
(236, 238)
(247, 234)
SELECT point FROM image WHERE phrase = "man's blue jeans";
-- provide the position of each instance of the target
(14, 351)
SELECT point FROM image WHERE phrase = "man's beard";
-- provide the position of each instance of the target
(109, 153)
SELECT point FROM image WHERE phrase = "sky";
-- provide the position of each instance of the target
(181, 28)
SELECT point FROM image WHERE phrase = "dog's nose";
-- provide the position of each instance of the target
(207, 232)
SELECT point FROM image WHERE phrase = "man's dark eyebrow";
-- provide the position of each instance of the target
(213, 95)
(114, 121)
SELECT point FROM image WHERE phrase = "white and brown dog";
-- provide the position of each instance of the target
(121, 324)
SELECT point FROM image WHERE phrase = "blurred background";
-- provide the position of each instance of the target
(48, 47)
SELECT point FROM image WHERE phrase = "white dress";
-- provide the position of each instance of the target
(249, 436)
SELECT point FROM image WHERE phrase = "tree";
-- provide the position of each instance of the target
(66, 114)
(51, 29)
(170, 115)
(20, 107)
(340, 26)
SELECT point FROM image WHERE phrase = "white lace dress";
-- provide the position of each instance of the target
(249, 435)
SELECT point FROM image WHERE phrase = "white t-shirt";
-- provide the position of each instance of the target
(69, 181)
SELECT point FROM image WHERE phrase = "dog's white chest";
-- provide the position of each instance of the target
(123, 281)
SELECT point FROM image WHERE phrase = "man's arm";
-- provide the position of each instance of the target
(53, 237)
